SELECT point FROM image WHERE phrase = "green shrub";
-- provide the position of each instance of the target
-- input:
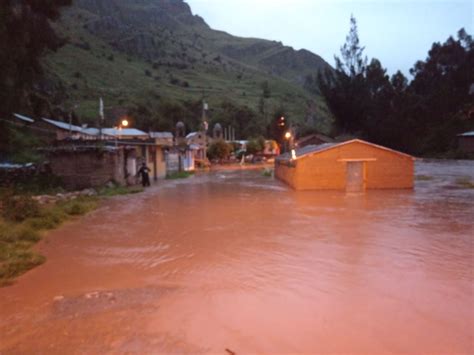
(423, 177)
(120, 190)
(219, 150)
(255, 145)
(179, 175)
(79, 206)
(20, 207)
(267, 172)
(27, 234)
(19, 263)
(465, 182)
(49, 219)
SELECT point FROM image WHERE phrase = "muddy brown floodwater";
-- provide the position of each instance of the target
(233, 261)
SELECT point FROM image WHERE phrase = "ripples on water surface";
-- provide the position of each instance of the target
(234, 260)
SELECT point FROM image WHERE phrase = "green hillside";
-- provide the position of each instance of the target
(142, 55)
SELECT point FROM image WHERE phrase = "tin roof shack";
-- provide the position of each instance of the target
(466, 142)
(353, 166)
(84, 166)
(65, 130)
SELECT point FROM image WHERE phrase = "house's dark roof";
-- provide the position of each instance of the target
(319, 136)
(311, 149)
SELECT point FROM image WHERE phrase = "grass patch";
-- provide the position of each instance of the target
(423, 178)
(120, 190)
(179, 175)
(465, 182)
(18, 237)
(267, 172)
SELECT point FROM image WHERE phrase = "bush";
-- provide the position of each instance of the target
(465, 182)
(18, 208)
(219, 150)
(10, 233)
(267, 172)
(120, 190)
(255, 145)
(179, 175)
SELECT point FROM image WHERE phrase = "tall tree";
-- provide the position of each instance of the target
(353, 61)
(344, 89)
(25, 35)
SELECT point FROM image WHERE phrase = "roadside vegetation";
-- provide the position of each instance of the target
(267, 172)
(119, 190)
(423, 178)
(23, 220)
(465, 182)
(179, 175)
(21, 225)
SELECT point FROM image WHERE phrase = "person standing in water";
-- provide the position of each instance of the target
(144, 173)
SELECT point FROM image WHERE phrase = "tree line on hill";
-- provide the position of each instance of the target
(421, 117)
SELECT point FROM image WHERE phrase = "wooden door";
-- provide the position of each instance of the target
(355, 181)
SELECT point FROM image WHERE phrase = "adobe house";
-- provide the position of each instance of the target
(353, 166)
(84, 166)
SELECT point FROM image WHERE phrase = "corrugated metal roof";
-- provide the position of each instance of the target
(191, 135)
(310, 149)
(162, 135)
(467, 134)
(91, 131)
(23, 118)
(63, 125)
(123, 132)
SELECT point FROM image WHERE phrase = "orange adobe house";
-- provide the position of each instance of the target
(354, 166)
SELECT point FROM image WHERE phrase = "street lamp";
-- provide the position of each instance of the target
(289, 137)
(123, 124)
(281, 122)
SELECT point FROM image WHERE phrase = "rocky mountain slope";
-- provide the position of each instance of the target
(140, 52)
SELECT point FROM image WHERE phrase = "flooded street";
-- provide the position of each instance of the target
(232, 261)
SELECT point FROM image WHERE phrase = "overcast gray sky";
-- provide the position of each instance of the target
(397, 32)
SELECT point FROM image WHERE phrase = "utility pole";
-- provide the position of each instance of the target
(205, 126)
(101, 116)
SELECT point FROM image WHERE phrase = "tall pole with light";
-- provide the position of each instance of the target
(205, 126)
(123, 124)
(289, 137)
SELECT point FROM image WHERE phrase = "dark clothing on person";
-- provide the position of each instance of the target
(143, 172)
